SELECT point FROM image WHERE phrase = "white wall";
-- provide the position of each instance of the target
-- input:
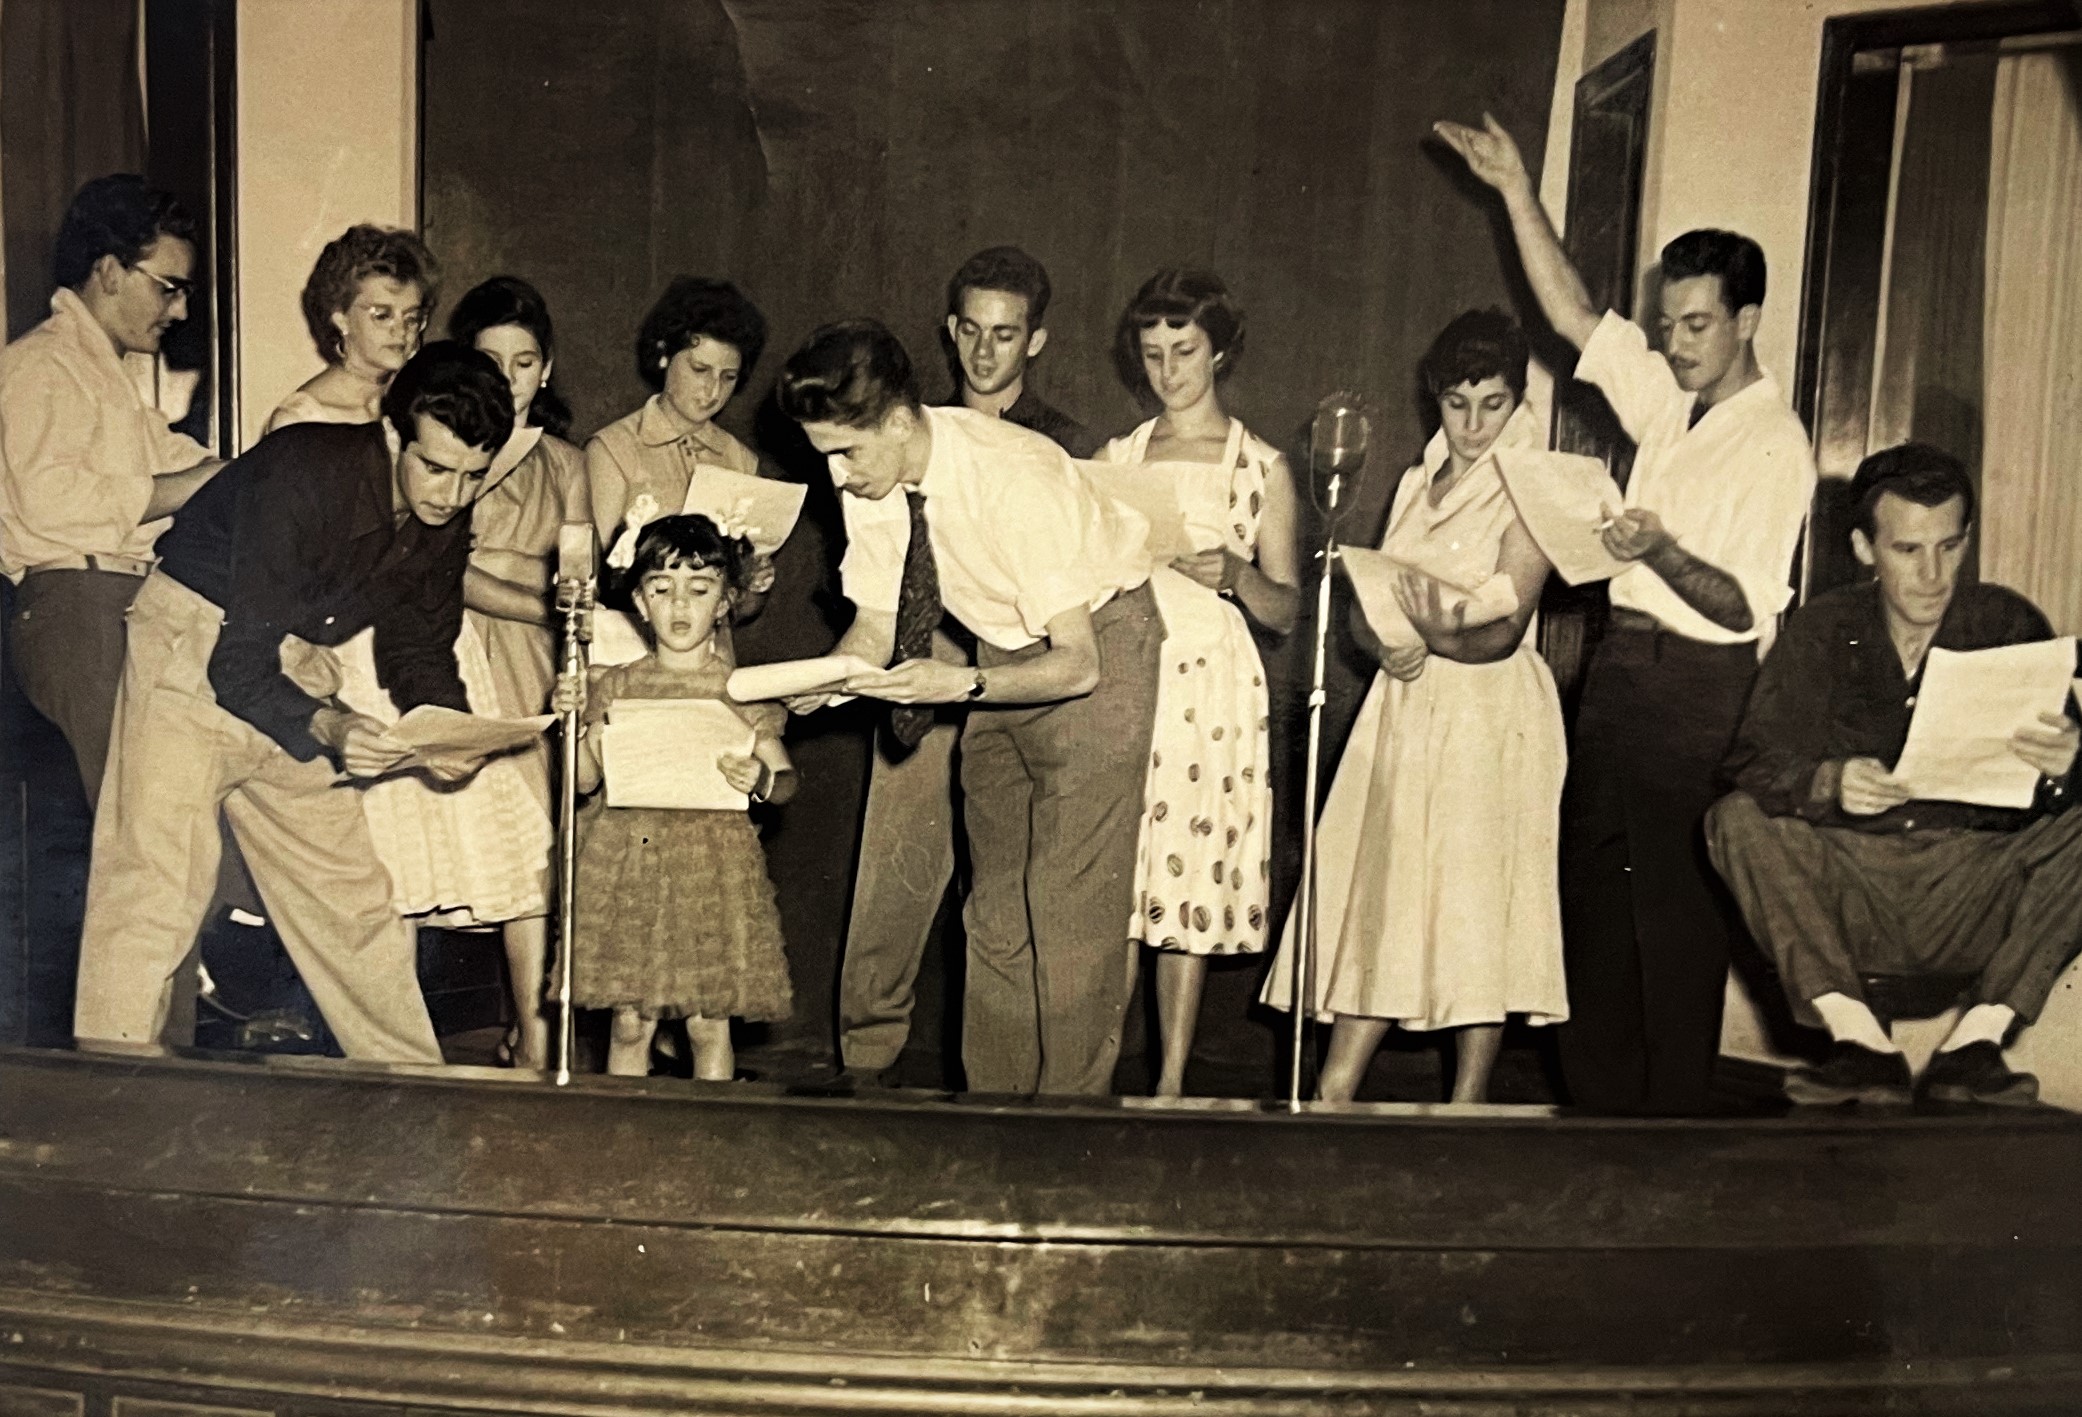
(1731, 145)
(1732, 136)
(328, 136)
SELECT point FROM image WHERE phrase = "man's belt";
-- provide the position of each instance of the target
(95, 561)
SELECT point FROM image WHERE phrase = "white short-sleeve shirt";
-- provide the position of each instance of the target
(1018, 535)
(1734, 489)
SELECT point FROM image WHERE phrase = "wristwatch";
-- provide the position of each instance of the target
(975, 687)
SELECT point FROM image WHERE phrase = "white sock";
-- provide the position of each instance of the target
(1850, 1021)
(1983, 1023)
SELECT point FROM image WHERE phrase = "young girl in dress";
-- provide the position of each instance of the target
(675, 914)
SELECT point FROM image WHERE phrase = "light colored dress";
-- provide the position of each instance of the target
(1436, 850)
(476, 852)
(675, 913)
(1203, 865)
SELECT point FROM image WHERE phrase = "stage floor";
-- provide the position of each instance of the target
(309, 1236)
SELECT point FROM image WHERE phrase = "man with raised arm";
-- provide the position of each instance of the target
(1720, 488)
(996, 305)
(996, 526)
(1841, 871)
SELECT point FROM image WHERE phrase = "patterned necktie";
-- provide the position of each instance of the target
(918, 612)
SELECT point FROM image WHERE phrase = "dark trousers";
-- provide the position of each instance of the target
(906, 864)
(1053, 804)
(1829, 904)
(1645, 921)
(68, 655)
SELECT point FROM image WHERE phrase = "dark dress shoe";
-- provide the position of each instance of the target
(1977, 1073)
(1852, 1073)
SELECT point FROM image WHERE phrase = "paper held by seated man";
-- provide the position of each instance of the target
(1970, 704)
(664, 753)
(1566, 501)
(1373, 575)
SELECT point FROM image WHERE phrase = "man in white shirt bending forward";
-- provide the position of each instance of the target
(996, 526)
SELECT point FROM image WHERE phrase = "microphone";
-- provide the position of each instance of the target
(577, 564)
(1337, 439)
(576, 547)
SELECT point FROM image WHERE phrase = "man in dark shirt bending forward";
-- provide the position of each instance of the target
(319, 532)
(1839, 873)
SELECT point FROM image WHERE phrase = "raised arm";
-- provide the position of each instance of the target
(1493, 157)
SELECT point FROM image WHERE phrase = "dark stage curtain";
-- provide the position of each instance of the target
(69, 110)
(841, 157)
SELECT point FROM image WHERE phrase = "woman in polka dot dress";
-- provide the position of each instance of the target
(1202, 870)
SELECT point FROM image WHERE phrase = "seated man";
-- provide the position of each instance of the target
(1839, 873)
(320, 531)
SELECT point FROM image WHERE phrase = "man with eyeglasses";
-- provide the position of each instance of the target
(89, 471)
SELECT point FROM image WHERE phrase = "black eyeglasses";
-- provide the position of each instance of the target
(171, 288)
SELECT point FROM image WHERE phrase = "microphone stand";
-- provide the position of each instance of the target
(575, 605)
(1306, 914)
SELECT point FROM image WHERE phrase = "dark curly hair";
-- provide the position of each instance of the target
(691, 307)
(1737, 260)
(458, 387)
(509, 300)
(1926, 475)
(352, 257)
(685, 539)
(1475, 345)
(115, 216)
(1178, 296)
(851, 373)
(1004, 268)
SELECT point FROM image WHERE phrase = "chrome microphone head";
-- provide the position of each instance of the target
(1338, 437)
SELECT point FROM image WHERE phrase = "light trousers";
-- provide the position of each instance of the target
(175, 758)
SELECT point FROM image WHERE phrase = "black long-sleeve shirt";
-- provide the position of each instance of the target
(1029, 411)
(299, 537)
(1832, 689)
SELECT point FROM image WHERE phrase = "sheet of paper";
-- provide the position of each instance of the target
(517, 446)
(663, 752)
(1372, 574)
(1150, 492)
(433, 731)
(618, 638)
(761, 509)
(791, 677)
(1970, 702)
(1563, 499)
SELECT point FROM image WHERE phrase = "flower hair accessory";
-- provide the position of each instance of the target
(622, 555)
(737, 522)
